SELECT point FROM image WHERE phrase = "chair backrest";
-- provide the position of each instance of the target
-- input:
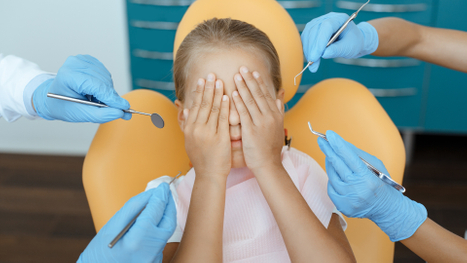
(348, 108)
(125, 155)
(268, 16)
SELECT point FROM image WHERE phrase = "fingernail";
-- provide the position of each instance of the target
(185, 113)
(200, 81)
(210, 77)
(244, 70)
(218, 84)
(235, 93)
(225, 98)
(238, 77)
(256, 74)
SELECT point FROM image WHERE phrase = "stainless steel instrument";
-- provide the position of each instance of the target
(155, 118)
(334, 37)
(115, 240)
(385, 178)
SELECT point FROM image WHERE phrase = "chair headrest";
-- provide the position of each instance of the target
(268, 16)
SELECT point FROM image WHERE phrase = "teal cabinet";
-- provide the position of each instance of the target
(446, 106)
(416, 95)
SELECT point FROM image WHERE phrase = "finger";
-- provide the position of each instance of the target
(127, 116)
(345, 153)
(169, 219)
(314, 67)
(334, 178)
(245, 118)
(129, 210)
(95, 64)
(206, 104)
(87, 65)
(265, 90)
(247, 99)
(86, 83)
(96, 115)
(224, 115)
(373, 160)
(341, 48)
(319, 34)
(255, 90)
(216, 104)
(341, 168)
(198, 97)
(337, 199)
(157, 203)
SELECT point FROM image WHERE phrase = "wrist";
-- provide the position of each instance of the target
(38, 99)
(211, 177)
(30, 89)
(371, 40)
(401, 218)
(268, 169)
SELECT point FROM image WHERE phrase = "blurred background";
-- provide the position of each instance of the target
(44, 216)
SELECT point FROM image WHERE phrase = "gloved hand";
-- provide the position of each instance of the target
(79, 76)
(356, 40)
(146, 239)
(357, 192)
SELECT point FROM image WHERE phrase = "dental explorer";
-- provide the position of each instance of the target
(334, 37)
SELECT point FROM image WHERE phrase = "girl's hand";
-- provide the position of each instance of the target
(206, 129)
(262, 121)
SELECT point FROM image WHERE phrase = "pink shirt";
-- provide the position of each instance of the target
(251, 233)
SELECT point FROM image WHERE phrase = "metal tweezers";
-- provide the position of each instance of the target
(385, 178)
(334, 37)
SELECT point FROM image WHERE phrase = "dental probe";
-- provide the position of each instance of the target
(334, 37)
(155, 118)
(385, 178)
(115, 240)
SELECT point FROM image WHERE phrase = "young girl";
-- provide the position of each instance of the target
(247, 198)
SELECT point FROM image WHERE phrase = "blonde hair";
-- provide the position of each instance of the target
(223, 33)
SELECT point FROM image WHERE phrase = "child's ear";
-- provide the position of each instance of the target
(280, 95)
(180, 116)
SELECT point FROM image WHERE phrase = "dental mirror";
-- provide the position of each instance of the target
(156, 119)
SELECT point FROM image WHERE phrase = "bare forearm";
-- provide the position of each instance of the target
(433, 243)
(202, 238)
(444, 47)
(307, 240)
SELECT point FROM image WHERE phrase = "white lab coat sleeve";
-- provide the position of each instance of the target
(19, 79)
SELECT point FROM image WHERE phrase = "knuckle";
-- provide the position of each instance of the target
(194, 105)
(250, 101)
(242, 111)
(198, 91)
(205, 105)
(268, 96)
(259, 93)
(224, 117)
(215, 109)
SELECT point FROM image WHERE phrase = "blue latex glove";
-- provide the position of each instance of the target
(357, 192)
(146, 239)
(356, 40)
(79, 76)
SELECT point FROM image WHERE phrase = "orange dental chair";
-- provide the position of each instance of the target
(125, 155)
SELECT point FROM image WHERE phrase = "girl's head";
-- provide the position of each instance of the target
(222, 46)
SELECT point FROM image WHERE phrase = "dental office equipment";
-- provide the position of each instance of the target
(385, 178)
(334, 37)
(155, 118)
(115, 240)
